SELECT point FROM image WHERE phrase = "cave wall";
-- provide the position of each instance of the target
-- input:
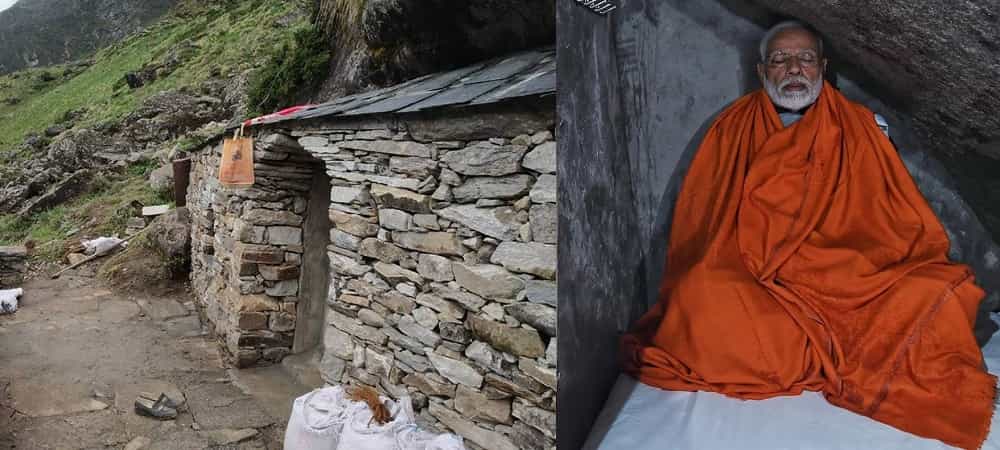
(640, 88)
(384, 42)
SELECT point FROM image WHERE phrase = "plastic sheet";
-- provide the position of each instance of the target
(101, 245)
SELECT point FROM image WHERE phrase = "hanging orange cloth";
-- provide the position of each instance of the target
(805, 258)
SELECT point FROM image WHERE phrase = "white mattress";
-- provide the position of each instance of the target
(640, 417)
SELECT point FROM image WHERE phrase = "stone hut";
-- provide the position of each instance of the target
(405, 239)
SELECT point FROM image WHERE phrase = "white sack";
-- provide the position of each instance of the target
(414, 438)
(446, 441)
(316, 420)
(325, 419)
(8, 300)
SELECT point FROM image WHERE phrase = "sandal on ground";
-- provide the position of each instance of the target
(162, 408)
(166, 399)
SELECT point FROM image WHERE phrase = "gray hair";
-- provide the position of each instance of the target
(773, 31)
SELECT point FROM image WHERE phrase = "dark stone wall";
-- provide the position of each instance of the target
(597, 301)
(638, 88)
(384, 42)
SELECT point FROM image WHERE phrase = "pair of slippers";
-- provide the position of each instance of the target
(162, 407)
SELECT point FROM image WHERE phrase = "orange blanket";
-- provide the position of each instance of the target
(805, 258)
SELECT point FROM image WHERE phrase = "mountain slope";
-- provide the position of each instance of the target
(189, 47)
(194, 66)
(45, 32)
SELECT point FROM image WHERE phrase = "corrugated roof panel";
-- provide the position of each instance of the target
(547, 63)
(454, 95)
(317, 110)
(538, 83)
(363, 99)
(341, 100)
(339, 108)
(391, 104)
(414, 91)
(523, 74)
(442, 80)
(539, 79)
(505, 68)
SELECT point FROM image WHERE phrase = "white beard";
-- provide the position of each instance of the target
(794, 101)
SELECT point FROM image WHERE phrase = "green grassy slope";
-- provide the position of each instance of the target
(211, 39)
(225, 39)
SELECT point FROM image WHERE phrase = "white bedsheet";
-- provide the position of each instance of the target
(640, 417)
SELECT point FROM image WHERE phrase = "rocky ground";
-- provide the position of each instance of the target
(64, 166)
(74, 357)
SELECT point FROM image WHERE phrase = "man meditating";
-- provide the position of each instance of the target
(803, 257)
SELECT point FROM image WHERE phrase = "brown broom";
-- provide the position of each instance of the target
(368, 395)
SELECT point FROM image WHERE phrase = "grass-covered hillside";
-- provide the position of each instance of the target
(213, 38)
(229, 43)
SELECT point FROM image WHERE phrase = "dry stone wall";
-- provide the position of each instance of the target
(443, 287)
(247, 248)
(442, 266)
(12, 265)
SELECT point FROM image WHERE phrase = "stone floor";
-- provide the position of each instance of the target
(75, 355)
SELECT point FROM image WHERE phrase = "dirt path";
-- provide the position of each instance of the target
(75, 356)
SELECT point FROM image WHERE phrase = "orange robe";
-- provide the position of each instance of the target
(805, 258)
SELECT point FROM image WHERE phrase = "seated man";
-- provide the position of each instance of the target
(803, 257)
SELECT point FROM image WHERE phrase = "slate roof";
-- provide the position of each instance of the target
(523, 74)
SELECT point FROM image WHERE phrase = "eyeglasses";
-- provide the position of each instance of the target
(779, 58)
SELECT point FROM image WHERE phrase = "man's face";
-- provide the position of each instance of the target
(792, 72)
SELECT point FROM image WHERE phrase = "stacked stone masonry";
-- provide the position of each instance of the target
(442, 271)
(12, 265)
(443, 258)
(247, 250)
